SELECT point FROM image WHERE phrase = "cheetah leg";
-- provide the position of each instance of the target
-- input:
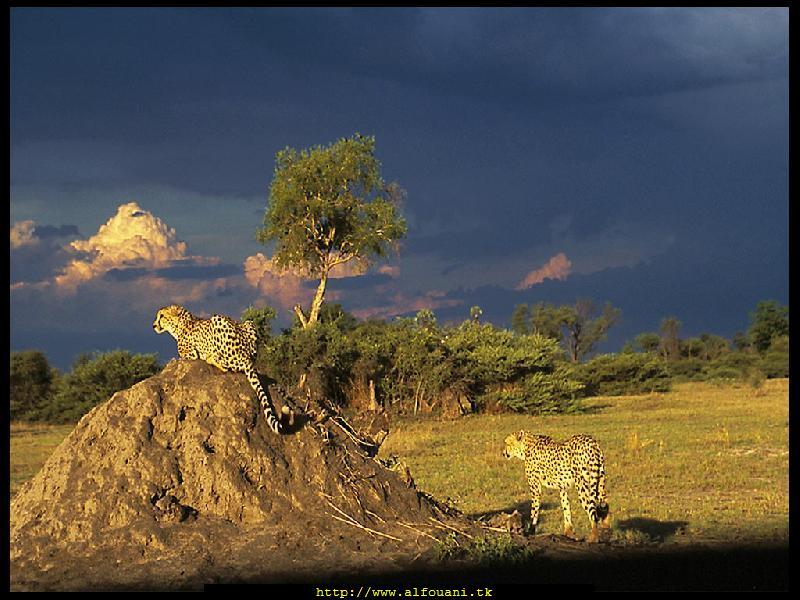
(217, 364)
(605, 522)
(536, 494)
(187, 352)
(568, 530)
(588, 503)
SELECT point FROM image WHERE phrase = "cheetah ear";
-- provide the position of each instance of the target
(520, 434)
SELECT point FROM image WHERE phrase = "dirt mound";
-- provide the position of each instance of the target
(179, 481)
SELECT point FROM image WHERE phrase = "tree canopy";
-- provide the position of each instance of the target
(769, 320)
(329, 206)
(31, 382)
(578, 327)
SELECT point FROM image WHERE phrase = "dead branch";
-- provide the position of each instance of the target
(406, 525)
(351, 521)
(441, 524)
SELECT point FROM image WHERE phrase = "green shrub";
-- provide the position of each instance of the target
(94, 379)
(517, 372)
(733, 365)
(486, 550)
(262, 320)
(31, 380)
(412, 361)
(769, 320)
(618, 374)
(686, 369)
(775, 361)
(722, 372)
(755, 378)
(322, 353)
(540, 393)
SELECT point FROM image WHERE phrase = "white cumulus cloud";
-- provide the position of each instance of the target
(131, 238)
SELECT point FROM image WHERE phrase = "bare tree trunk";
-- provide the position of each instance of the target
(311, 320)
(299, 312)
(373, 404)
(313, 314)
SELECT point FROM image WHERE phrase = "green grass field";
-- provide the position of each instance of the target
(703, 463)
(31, 444)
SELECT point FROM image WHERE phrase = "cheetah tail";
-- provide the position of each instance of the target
(269, 413)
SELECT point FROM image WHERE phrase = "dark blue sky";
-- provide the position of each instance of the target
(649, 147)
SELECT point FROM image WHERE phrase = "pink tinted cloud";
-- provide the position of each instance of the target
(558, 267)
(392, 271)
(284, 289)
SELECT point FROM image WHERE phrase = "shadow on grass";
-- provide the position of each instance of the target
(739, 568)
(524, 508)
(592, 410)
(658, 531)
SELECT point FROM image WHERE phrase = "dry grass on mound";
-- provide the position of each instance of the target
(175, 477)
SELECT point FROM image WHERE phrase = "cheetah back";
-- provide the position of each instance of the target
(226, 343)
(560, 465)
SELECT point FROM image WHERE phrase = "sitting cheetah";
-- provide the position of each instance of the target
(577, 461)
(219, 341)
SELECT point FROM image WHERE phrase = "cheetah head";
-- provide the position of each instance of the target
(168, 317)
(515, 445)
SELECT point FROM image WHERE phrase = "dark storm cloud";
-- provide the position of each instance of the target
(358, 283)
(538, 112)
(46, 232)
(176, 273)
(646, 294)
(650, 146)
(198, 271)
(182, 87)
(167, 55)
(541, 54)
(40, 252)
(128, 274)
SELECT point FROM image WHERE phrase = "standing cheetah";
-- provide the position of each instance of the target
(219, 341)
(578, 461)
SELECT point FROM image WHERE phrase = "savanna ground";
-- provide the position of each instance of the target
(702, 466)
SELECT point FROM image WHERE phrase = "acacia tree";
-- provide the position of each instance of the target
(520, 319)
(648, 341)
(670, 340)
(585, 327)
(769, 320)
(329, 206)
(578, 327)
(548, 320)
